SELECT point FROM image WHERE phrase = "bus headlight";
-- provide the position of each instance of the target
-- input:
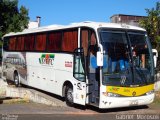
(110, 94)
(150, 92)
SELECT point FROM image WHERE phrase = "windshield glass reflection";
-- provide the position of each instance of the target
(126, 58)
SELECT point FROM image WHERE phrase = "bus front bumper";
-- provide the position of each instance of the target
(115, 102)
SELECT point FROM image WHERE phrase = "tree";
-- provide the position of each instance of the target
(152, 24)
(12, 19)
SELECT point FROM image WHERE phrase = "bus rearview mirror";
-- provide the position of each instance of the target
(155, 57)
(99, 59)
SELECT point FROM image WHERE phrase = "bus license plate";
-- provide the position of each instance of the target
(133, 102)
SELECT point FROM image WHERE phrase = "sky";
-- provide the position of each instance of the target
(64, 12)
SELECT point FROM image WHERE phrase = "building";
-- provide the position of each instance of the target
(128, 19)
(34, 24)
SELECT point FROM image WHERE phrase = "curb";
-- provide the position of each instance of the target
(11, 101)
(34, 96)
(27, 94)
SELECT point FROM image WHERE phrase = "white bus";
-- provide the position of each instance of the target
(106, 65)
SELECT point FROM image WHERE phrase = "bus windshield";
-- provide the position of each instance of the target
(127, 58)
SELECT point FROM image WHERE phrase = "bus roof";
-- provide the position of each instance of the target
(94, 25)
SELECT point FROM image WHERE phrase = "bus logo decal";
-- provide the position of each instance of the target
(134, 93)
(123, 79)
(46, 59)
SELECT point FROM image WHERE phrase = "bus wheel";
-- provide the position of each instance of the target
(69, 96)
(16, 80)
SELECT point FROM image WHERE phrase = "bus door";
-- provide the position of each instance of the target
(80, 75)
(89, 46)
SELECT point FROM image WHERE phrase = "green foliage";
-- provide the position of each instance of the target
(152, 25)
(12, 18)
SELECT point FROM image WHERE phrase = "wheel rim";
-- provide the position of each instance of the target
(70, 95)
(16, 80)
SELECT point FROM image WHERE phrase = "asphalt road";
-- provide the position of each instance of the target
(91, 117)
(81, 117)
(61, 117)
(33, 111)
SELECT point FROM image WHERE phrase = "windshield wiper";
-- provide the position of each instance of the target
(141, 74)
(130, 57)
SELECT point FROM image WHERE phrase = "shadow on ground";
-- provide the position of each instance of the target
(5, 98)
(88, 107)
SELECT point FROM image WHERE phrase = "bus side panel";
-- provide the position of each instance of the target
(63, 66)
(38, 70)
(49, 71)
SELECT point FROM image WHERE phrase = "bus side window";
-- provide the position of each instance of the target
(93, 39)
(93, 50)
(12, 43)
(88, 39)
(84, 38)
(70, 40)
(29, 44)
(20, 43)
(54, 41)
(40, 44)
(6, 44)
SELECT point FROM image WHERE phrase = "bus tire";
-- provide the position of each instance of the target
(16, 79)
(69, 96)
